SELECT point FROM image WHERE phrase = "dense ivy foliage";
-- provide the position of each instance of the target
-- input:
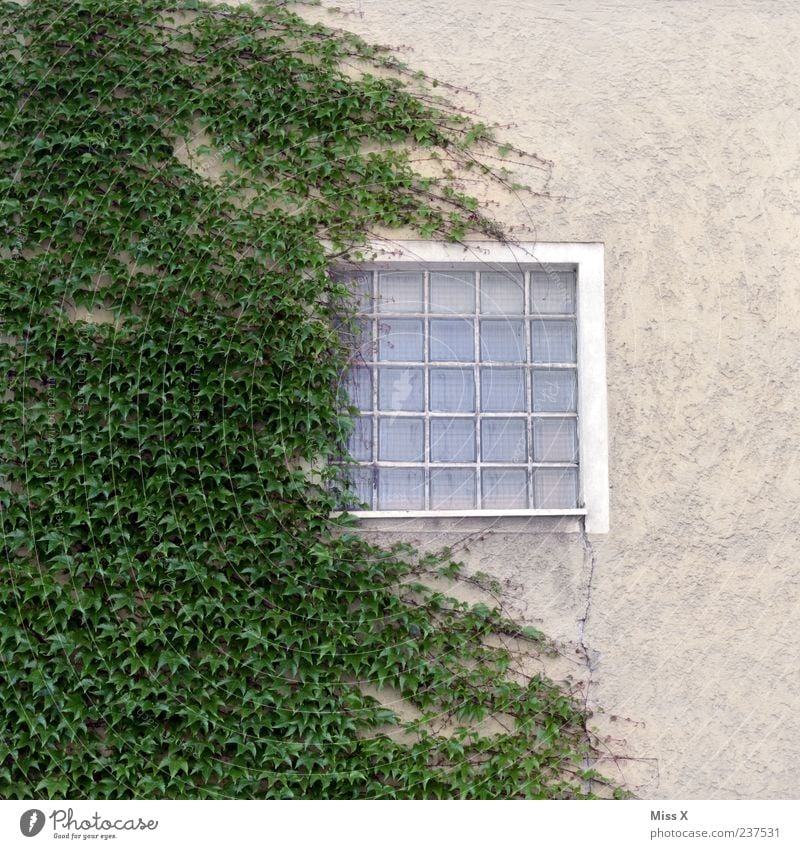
(182, 616)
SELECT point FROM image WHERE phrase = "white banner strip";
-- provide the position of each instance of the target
(410, 825)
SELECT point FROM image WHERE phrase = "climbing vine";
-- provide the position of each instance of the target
(184, 615)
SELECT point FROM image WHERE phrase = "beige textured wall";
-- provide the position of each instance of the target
(673, 130)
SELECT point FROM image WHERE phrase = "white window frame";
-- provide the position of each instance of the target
(588, 260)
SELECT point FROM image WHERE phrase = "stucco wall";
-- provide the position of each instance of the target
(673, 131)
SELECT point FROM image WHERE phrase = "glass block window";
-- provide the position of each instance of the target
(466, 388)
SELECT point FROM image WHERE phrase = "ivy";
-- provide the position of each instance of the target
(184, 613)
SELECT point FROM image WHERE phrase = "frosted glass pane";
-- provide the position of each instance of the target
(452, 292)
(360, 285)
(359, 443)
(400, 389)
(401, 439)
(555, 488)
(555, 440)
(554, 390)
(453, 440)
(504, 488)
(400, 340)
(452, 489)
(365, 340)
(503, 390)
(502, 341)
(502, 293)
(361, 484)
(400, 291)
(358, 388)
(552, 292)
(452, 340)
(553, 341)
(357, 338)
(452, 390)
(504, 440)
(401, 489)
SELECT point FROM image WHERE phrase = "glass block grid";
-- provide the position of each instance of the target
(466, 385)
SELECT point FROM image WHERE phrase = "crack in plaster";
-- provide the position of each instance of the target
(590, 562)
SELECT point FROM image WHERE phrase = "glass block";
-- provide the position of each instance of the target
(359, 443)
(357, 338)
(452, 292)
(360, 285)
(400, 291)
(554, 341)
(554, 390)
(555, 488)
(400, 389)
(453, 440)
(452, 340)
(361, 483)
(400, 340)
(452, 390)
(502, 293)
(401, 440)
(502, 341)
(504, 440)
(452, 489)
(552, 292)
(503, 390)
(401, 489)
(358, 387)
(555, 440)
(504, 488)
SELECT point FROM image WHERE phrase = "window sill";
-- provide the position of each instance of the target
(439, 514)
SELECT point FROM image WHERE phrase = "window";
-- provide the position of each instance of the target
(479, 377)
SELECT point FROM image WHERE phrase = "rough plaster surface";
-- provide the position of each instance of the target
(673, 131)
